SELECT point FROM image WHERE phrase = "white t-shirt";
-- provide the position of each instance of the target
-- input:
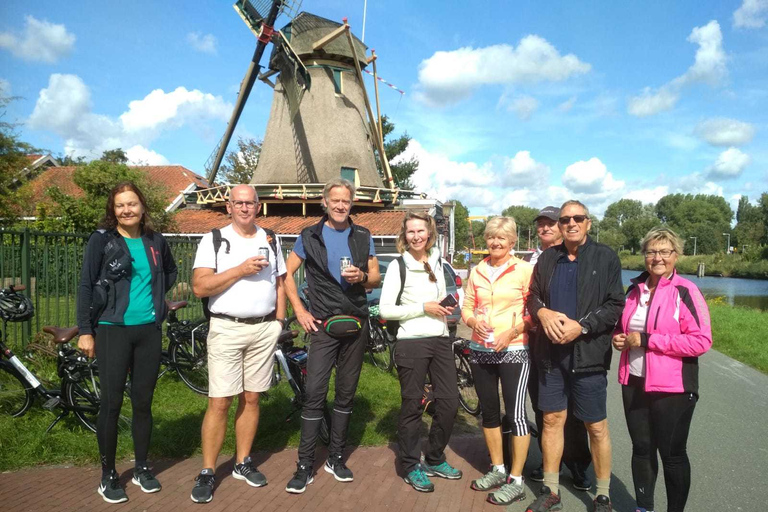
(637, 324)
(250, 296)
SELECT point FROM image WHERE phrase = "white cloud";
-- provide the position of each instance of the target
(41, 41)
(730, 164)
(647, 195)
(450, 76)
(709, 67)
(139, 155)
(65, 108)
(725, 132)
(567, 105)
(205, 43)
(590, 177)
(522, 170)
(751, 14)
(523, 107)
(5, 87)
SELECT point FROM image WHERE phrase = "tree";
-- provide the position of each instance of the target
(401, 171)
(630, 218)
(69, 160)
(706, 217)
(460, 225)
(13, 192)
(115, 156)
(750, 228)
(240, 165)
(525, 218)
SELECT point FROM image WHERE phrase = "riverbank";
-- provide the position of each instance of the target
(721, 265)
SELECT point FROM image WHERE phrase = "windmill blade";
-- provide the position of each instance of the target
(294, 77)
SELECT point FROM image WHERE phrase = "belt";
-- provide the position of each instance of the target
(250, 320)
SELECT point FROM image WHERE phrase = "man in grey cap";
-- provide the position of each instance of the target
(576, 454)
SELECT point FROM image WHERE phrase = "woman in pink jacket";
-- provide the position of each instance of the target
(663, 330)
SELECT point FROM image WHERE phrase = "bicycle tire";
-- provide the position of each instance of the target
(85, 399)
(466, 383)
(191, 362)
(380, 348)
(16, 396)
(325, 424)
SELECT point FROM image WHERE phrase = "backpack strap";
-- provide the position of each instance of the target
(217, 240)
(401, 264)
(272, 239)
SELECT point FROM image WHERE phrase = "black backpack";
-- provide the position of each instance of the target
(217, 240)
(394, 325)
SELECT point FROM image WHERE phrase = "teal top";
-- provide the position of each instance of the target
(141, 309)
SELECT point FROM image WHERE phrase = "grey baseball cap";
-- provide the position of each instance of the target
(549, 212)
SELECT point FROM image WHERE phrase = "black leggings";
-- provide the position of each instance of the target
(514, 380)
(659, 422)
(119, 349)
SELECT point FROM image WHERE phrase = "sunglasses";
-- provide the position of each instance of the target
(428, 270)
(577, 218)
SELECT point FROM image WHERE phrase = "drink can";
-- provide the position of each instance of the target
(344, 263)
(264, 251)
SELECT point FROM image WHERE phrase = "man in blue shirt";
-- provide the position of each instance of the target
(332, 292)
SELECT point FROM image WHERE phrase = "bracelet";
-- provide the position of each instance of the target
(365, 278)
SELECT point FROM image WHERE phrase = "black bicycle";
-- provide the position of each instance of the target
(380, 343)
(465, 380)
(187, 352)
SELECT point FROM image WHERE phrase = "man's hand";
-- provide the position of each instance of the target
(306, 320)
(435, 309)
(571, 331)
(552, 323)
(87, 345)
(253, 265)
(352, 274)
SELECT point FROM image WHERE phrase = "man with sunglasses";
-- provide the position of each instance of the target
(243, 278)
(576, 298)
(335, 295)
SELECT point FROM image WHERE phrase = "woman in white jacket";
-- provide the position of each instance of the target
(423, 347)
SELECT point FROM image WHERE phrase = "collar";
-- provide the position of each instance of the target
(317, 229)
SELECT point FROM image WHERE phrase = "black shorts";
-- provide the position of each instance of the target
(587, 391)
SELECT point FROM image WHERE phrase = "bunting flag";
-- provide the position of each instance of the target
(385, 82)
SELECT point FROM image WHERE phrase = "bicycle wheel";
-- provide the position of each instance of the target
(84, 397)
(191, 360)
(379, 347)
(466, 382)
(15, 395)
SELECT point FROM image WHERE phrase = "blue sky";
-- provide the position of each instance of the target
(524, 102)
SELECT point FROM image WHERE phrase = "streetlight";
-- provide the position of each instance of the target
(728, 246)
(694, 244)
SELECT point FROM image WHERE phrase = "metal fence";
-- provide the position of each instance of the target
(49, 264)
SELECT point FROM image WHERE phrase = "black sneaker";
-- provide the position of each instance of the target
(581, 480)
(202, 492)
(248, 472)
(537, 475)
(335, 465)
(146, 480)
(301, 479)
(602, 504)
(546, 501)
(110, 489)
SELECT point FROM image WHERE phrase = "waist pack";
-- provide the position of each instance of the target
(342, 326)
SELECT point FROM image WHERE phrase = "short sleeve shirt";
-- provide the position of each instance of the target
(337, 247)
(250, 296)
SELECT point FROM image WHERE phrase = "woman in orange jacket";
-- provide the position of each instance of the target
(494, 307)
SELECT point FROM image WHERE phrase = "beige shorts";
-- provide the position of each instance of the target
(240, 356)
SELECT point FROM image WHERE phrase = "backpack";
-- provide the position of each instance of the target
(394, 325)
(116, 265)
(217, 240)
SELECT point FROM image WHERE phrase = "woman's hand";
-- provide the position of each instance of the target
(505, 339)
(633, 340)
(86, 345)
(435, 309)
(481, 330)
(620, 342)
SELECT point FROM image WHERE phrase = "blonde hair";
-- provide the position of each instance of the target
(662, 234)
(505, 226)
(402, 244)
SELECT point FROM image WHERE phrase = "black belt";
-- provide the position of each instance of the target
(250, 320)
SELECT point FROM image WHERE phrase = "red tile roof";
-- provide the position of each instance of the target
(381, 223)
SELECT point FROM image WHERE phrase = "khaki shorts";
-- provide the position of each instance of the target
(240, 356)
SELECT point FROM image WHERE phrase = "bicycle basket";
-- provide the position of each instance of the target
(15, 307)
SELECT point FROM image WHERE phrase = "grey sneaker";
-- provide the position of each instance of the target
(491, 480)
(248, 472)
(144, 478)
(202, 492)
(110, 489)
(509, 493)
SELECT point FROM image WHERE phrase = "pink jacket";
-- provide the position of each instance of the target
(677, 332)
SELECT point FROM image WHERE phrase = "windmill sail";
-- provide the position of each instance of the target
(293, 75)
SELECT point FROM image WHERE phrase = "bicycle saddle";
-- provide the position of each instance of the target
(61, 334)
(173, 306)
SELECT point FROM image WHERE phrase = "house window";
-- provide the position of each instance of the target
(351, 174)
(337, 81)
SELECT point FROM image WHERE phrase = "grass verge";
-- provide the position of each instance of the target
(740, 333)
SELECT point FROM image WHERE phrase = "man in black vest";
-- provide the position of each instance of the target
(340, 262)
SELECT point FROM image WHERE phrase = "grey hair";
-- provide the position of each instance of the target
(662, 234)
(339, 182)
(574, 202)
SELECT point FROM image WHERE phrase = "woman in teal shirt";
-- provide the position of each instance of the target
(127, 269)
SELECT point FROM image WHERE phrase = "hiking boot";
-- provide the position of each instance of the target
(418, 479)
(248, 472)
(110, 489)
(144, 478)
(491, 480)
(509, 493)
(202, 492)
(443, 470)
(335, 465)
(602, 504)
(301, 479)
(546, 501)
(537, 475)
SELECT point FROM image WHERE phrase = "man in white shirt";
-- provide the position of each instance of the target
(244, 281)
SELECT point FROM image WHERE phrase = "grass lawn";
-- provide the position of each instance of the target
(740, 333)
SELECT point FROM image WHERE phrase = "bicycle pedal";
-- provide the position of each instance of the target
(52, 403)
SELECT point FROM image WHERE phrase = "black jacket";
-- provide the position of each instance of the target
(600, 303)
(326, 296)
(107, 250)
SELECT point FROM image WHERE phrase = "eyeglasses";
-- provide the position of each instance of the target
(244, 205)
(664, 253)
(577, 218)
(428, 270)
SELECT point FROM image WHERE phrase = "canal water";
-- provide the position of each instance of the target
(751, 293)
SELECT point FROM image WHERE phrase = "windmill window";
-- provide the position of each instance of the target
(351, 174)
(337, 81)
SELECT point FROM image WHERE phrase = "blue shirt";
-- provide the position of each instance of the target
(564, 290)
(337, 247)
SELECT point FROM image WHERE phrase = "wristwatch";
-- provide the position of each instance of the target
(584, 329)
(365, 278)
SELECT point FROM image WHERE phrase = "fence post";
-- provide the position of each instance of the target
(26, 280)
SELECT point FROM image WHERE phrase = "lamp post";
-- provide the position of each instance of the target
(694, 244)
(728, 245)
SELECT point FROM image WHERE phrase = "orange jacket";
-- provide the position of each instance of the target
(505, 297)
